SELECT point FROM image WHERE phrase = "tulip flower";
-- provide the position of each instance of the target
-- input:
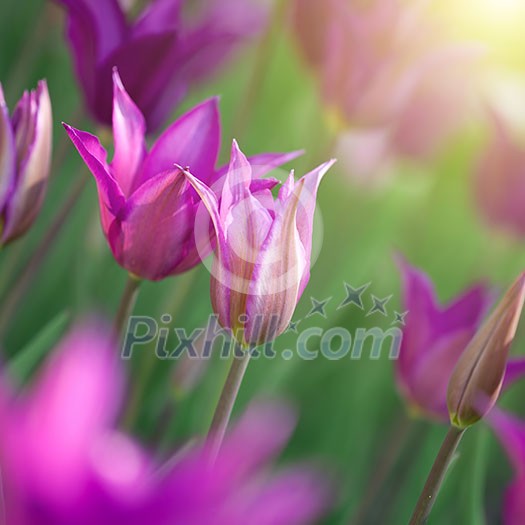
(63, 461)
(385, 71)
(500, 178)
(478, 376)
(159, 55)
(147, 211)
(511, 432)
(25, 158)
(434, 338)
(262, 256)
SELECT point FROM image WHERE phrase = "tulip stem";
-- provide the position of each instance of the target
(127, 303)
(224, 408)
(32, 266)
(437, 475)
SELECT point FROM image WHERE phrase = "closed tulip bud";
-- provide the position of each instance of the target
(25, 158)
(478, 376)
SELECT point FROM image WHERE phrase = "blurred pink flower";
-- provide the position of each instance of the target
(384, 66)
(262, 259)
(159, 55)
(147, 209)
(500, 178)
(63, 461)
(25, 158)
(434, 337)
(511, 433)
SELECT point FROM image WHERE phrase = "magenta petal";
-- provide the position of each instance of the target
(305, 214)
(511, 432)
(128, 130)
(515, 371)
(225, 25)
(274, 289)
(158, 17)
(95, 29)
(33, 142)
(94, 155)
(264, 163)
(161, 206)
(74, 400)
(420, 302)
(7, 152)
(192, 141)
(145, 67)
(237, 181)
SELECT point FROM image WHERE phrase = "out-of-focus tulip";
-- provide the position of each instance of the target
(25, 158)
(479, 373)
(500, 178)
(511, 432)
(384, 67)
(434, 337)
(63, 461)
(147, 210)
(164, 51)
(262, 260)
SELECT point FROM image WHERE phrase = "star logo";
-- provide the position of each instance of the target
(318, 307)
(292, 327)
(379, 305)
(399, 317)
(354, 296)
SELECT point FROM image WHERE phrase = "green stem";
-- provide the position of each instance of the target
(127, 303)
(224, 408)
(384, 464)
(437, 475)
(33, 265)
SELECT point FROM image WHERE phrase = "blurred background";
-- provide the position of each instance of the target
(378, 200)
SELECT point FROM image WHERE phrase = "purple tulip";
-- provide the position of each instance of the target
(159, 55)
(511, 433)
(500, 179)
(25, 158)
(63, 461)
(385, 68)
(262, 261)
(147, 210)
(434, 337)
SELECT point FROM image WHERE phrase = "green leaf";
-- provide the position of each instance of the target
(28, 358)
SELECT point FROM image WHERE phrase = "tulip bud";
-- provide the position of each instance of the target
(25, 157)
(262, 256)
(479, 373)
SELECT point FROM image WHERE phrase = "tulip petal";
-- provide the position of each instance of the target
(276, 279)
(221, 274)
(33, 169)
(74, 400)
(160, 205)
(264, 163)
(111, 198)
(7, 153)
(305, 214)
(128, 130)
(146, 66)
(158, 17)
(237, 181)
(477, 379)
(515, 371)
(95, 28)
(223, 27)
(192, 141)
(511, 432)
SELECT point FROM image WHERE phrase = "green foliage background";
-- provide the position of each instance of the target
(351, 417)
